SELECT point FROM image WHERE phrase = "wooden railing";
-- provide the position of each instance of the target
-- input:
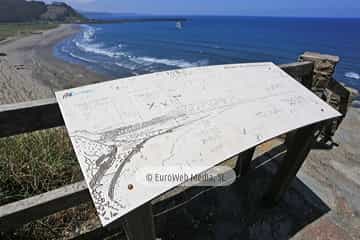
(43, 114)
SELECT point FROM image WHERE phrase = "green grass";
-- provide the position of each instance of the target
(23, 29)
(35, 163)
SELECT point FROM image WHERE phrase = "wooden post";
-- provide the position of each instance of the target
(139, 224)
(290, 136)
(307, 81)
(298, 147)
(243, 162)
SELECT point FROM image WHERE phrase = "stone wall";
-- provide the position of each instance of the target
(326, 87)
(324, 67)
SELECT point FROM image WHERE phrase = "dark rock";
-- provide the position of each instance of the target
(25, 11)
(58, 11)
(324, 67)
(20, 10)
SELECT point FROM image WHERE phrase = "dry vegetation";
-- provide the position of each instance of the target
(37, 162)
(34, 163)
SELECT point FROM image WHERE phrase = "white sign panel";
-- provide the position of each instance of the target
(191, 118)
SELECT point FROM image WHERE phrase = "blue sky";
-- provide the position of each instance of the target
(299, 8)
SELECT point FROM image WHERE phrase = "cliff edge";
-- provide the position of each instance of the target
(27, 11)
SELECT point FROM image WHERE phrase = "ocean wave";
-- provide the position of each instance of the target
(82, 58)
(169, 62)
(353, 75)
(89, 33)
(126, 65)
(86, 43)
(121, 45)
(97, 48)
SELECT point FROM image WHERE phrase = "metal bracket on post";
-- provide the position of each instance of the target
(299, 146)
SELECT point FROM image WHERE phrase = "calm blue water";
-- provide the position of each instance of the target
(121, 50)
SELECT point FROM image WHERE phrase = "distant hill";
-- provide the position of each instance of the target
(20, 10)
(59, 11)
(24, 11)
(107, 15)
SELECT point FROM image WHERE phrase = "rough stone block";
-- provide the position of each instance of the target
(324, 67)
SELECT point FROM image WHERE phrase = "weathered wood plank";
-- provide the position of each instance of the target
(298, 69)
(18, 213)
(29, 116)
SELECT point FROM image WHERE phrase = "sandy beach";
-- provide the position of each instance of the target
(30, 70)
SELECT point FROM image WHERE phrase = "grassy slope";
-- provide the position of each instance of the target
(34, 163)
(23, 29)
(37, 162)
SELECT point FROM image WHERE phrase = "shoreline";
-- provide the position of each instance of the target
(30, 71)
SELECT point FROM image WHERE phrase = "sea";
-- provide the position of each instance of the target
(128, 49)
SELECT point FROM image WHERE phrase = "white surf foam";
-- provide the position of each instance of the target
(169, 62)
(87, 43)
(82, 58)
(121, 45)
(353, 75)
(98, 48)
(126, 65)
(89, 33)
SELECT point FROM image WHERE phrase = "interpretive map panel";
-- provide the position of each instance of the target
(191, 118)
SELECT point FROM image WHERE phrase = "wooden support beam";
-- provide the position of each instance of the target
(18, 213)
(299, 146)
(298, 69)
(29, 116)
(15, 214)
(139, 224)
(243, 162)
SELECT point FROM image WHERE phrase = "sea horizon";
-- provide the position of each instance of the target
(90, 13)
(124, 50)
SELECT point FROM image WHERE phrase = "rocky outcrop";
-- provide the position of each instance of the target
(61, 12)
(20, 10)
(325, 86)
(25, 11)
(324, 67)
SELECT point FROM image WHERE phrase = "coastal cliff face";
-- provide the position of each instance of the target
(61, 12)
(24, 11)
(20, 10)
